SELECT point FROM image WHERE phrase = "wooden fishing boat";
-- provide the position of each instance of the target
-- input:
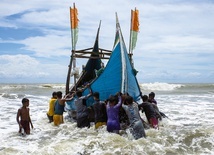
(118, 75)
(95, 56)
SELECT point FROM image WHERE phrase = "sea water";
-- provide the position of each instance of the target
(189, 128)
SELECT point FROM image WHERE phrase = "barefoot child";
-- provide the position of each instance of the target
(25, 121)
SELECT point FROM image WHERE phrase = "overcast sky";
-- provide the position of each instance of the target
(175, 43)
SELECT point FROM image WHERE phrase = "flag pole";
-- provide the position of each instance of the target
(134, 28)
(130, 38)
(74, 49)
(72, 59)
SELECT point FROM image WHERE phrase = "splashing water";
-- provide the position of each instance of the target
(189, 129)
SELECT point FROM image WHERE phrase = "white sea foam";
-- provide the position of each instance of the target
(160, 86)
(189, 129)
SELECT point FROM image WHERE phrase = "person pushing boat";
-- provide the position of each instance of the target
(50, 112)
(59, 109)
(150, 112)
(81, 109)
(113, 107)
(136, 124)
(100, 114)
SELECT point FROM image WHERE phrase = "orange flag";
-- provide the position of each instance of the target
(74, 19)
(134, 29)
(135, 20)
(74, 26)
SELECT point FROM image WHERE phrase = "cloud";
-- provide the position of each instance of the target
(26, 68)
(181, 44)
(46, 46)
(175, 39)
(172, 76)
(19, 66)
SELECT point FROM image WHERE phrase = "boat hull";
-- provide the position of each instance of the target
(118, 75)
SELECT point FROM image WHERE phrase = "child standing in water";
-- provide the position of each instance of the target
(24, 114)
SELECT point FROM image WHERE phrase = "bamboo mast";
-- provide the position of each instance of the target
(73, 52)
(72, 59)
(130, 38)
(133, 29)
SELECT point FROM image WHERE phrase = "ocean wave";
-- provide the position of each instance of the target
(200, 86)
(12, 96)
(187, 131)
(54, 86)
(160, 86)
(29, 86)
(12, 86)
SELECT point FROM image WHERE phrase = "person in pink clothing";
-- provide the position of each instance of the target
(150, 112)
(113, 106)
(152, 100)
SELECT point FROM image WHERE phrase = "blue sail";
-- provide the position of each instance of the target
(118, 75)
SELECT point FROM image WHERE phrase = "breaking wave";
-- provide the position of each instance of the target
(160, 86)
(157, 86)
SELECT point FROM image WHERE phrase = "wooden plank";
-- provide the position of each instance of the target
(81, 56)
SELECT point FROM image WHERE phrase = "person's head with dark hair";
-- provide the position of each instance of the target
(79, 93)
(25, 100)
(152, 95)
(112, 100)
(124, 97)
(126, 94)
(129, 99)
(54, 94)
(96, 95)
(116, 98)
(152, 98)
(145, 98)
(59, 94)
